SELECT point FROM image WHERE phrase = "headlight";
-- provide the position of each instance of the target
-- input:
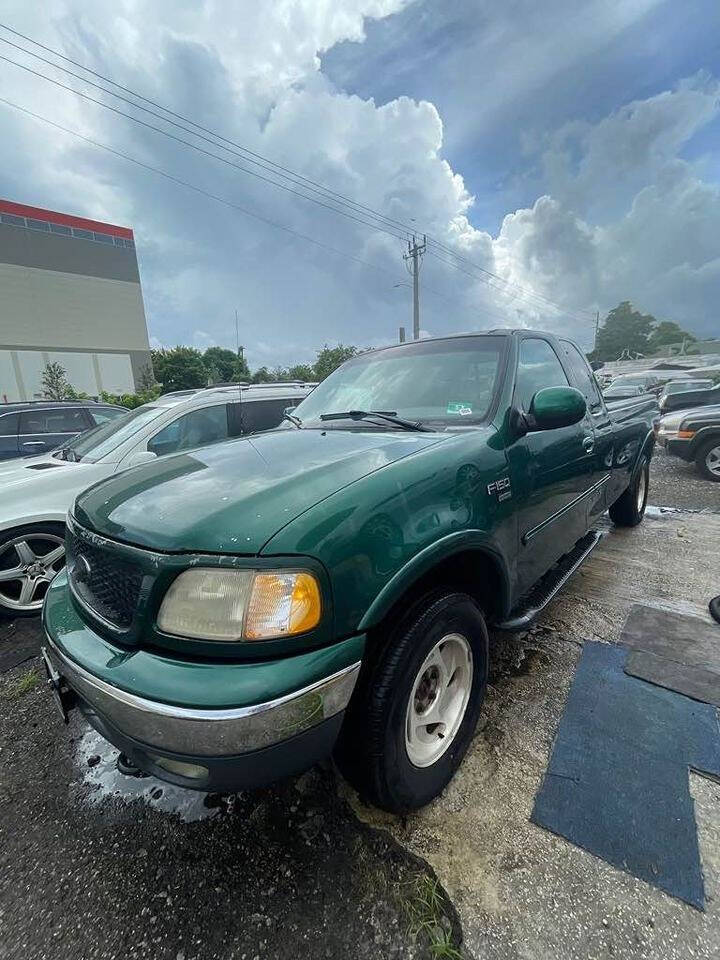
(219, 604)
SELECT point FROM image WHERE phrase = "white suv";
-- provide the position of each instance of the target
(37, 492)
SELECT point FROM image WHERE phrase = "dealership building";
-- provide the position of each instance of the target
(69, 292)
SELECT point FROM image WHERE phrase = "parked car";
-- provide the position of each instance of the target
(230, 618)
(623, 391)
(687, 399)
(27, 429)
(648, 382)
(37, 492)
(694, 435)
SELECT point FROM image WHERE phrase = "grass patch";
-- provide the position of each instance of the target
(424, 905)
(24, 684)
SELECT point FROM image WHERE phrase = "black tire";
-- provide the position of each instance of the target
(36, 534)
(701, 459)
(372, 752)
(629, 509)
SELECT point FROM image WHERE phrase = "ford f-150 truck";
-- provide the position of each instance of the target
(232, 614)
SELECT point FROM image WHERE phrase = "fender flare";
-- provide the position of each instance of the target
(422, 562)
(645, 449)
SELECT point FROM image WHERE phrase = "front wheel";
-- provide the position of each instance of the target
(629, 509)
(708, 460)
(413, 718)
(30, 558)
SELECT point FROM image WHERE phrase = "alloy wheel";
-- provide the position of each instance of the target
(712, 461)
(438, 700)
(641, 490)
(28, 564)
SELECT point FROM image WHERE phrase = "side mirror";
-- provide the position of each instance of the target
(555, 407)
(289, 409)
(140, 456)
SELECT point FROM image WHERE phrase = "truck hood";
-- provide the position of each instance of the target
(232, 497)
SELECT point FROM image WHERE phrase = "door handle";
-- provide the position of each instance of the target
(589, 444)
(34, 443)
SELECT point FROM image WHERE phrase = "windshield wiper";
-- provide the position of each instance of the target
(389, 415)
(295, 421)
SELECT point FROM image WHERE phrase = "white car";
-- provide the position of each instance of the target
(37, 492)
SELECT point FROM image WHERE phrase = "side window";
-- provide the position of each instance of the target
(258, 415)
(195, 429)
(9, 425)
(53, 421)
(538, 367)
(584, 377)
(103, 414)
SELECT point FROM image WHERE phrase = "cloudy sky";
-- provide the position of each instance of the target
(568, 152)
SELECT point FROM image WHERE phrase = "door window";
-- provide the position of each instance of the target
(9, 425)
(583, 375)
(195, 429)
(538, 367)
(53, 421)
(258, 415)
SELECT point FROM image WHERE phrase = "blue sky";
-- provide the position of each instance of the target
(569, 152)
(436, 51)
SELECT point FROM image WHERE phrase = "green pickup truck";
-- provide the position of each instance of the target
(232, 614)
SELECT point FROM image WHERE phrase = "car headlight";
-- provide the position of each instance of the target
(218, 604)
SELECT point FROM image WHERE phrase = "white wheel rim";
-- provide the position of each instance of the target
(642, 484)
(712, 461)
(438, 700)
(28, 564)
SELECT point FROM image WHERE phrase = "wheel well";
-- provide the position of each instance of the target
(470, 571)
(58, 526)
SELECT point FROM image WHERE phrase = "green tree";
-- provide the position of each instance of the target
(666, 332)
(54, 382)
(301, 371)
(262, 375)
(146, 378)
(623, 329)
(180, 368)
(330, 358)
(225, 365)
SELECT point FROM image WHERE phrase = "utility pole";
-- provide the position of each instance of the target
(597, 327)
(412, 261)
(402, 334)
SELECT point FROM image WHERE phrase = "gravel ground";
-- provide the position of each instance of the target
(674, 483)
(305, 868)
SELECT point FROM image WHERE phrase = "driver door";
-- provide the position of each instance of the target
(550, 470)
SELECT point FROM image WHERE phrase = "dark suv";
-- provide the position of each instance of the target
(41, 425)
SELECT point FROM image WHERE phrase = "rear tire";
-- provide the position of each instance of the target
(629, 509)
(414, 714)
(707, 460)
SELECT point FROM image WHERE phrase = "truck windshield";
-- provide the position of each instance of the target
(106, 437)
(446, 382)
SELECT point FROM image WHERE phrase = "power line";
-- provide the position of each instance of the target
(195, 188)
(242, 152)
(258, 159)
(229, 203)
(194, 146)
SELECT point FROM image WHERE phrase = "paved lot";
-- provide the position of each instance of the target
(304, 870)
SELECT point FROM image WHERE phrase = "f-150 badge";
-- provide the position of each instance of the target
(501, 489)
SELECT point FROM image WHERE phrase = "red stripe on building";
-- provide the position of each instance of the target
(38, 213)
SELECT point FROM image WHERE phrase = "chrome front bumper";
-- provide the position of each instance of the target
(206, 733)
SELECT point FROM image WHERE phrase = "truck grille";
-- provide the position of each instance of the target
(108, 586)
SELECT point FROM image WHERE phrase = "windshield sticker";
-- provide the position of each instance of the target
(459, 408)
